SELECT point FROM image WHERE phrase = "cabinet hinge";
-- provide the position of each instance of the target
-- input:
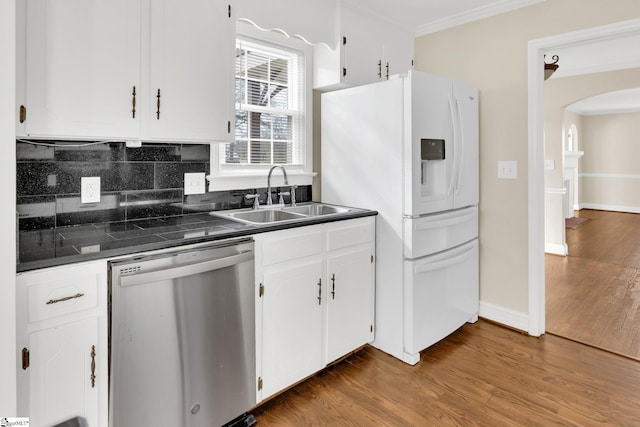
(229, 11)
(23, 113)
(344, 71)
(261, 290)
(344, 40)
(25, 358)
(229, 126)
(259, 383)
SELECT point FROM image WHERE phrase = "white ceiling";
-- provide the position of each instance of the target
(428, 16)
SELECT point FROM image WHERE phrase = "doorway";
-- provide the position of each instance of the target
(536, 50)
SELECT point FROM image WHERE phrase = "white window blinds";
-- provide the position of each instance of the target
(269, 106)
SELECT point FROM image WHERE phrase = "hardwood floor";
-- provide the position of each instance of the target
(482, 375)
(593, 295)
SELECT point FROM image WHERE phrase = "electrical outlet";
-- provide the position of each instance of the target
(508, 169)
(194, 183)
(90, 189)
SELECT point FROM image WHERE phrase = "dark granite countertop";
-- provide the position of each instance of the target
(67, 245)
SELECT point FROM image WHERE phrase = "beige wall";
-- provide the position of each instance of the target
(558, 94)
(491, 54)
(611, 144)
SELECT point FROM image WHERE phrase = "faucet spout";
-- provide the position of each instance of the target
(286, 181)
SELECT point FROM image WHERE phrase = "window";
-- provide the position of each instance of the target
(267, 106)
(272, 113)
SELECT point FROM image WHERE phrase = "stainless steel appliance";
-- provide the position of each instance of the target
(183, 337)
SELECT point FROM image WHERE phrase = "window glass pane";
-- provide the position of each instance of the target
(241, 92)
(242, 125)
(257, 65)
(280, 71)
(279, 97)
(282, 127)
(261, 152)
(282, 153)
(236, 152)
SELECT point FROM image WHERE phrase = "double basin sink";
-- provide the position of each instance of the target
(277, 213)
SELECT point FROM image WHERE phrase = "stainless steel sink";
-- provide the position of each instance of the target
(317, 209)
(264, 216)
(273, 214)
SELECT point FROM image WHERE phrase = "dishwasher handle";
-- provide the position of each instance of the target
(185, 270)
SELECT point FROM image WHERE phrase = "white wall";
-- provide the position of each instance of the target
(491, 54)
(7, 214)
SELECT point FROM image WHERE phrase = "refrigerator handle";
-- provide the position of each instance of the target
(454, 145)
(445, 263)
(460, 142)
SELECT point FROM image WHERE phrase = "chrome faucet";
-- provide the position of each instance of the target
(286, 181)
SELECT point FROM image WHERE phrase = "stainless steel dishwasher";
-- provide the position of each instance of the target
(182, 337)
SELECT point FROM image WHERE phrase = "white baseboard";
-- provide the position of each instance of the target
(556, 249)
(505, 316)
(615, 208)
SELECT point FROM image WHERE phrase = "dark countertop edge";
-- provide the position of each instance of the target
(248, 231)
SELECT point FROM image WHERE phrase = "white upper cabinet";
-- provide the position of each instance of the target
(82, 63)
(369, 49)
(94, 68)
(191, 84)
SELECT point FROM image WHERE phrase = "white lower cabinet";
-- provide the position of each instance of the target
(315, 299)
(62, 338)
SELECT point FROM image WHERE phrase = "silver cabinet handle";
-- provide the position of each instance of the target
(55, 301)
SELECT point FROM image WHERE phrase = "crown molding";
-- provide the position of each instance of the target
(472, 15)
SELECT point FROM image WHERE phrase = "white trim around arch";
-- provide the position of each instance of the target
(536, 49)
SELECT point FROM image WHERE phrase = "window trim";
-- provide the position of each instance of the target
(246, 176)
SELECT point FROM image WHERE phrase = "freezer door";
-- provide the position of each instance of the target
(441, 294)
(434, 233)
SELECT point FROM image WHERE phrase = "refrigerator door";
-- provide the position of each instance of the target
(434, 233)
(465, 171)
(429, 119)
(441, 294)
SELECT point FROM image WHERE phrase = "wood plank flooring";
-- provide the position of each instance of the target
(481, 375)
(593, 295)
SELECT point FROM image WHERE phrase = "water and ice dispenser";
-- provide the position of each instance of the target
(433, 167)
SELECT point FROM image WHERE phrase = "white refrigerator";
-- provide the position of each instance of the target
(408, 148)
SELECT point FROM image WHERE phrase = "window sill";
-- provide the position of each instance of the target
(242, 182)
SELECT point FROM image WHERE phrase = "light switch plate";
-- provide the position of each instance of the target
(508, 169)
(90, 189)
(194, 183)
(549, 164)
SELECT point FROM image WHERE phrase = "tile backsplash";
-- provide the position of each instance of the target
(136, 183)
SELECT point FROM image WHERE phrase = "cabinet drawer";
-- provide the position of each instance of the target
(291, 244)
(350, 233)
(435, 233)
(52, 298)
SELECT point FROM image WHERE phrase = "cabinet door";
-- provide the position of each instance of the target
(82, 63)
(62, 360)
(349, 301)
(191, 70)
(292, 307)
(362, 52)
